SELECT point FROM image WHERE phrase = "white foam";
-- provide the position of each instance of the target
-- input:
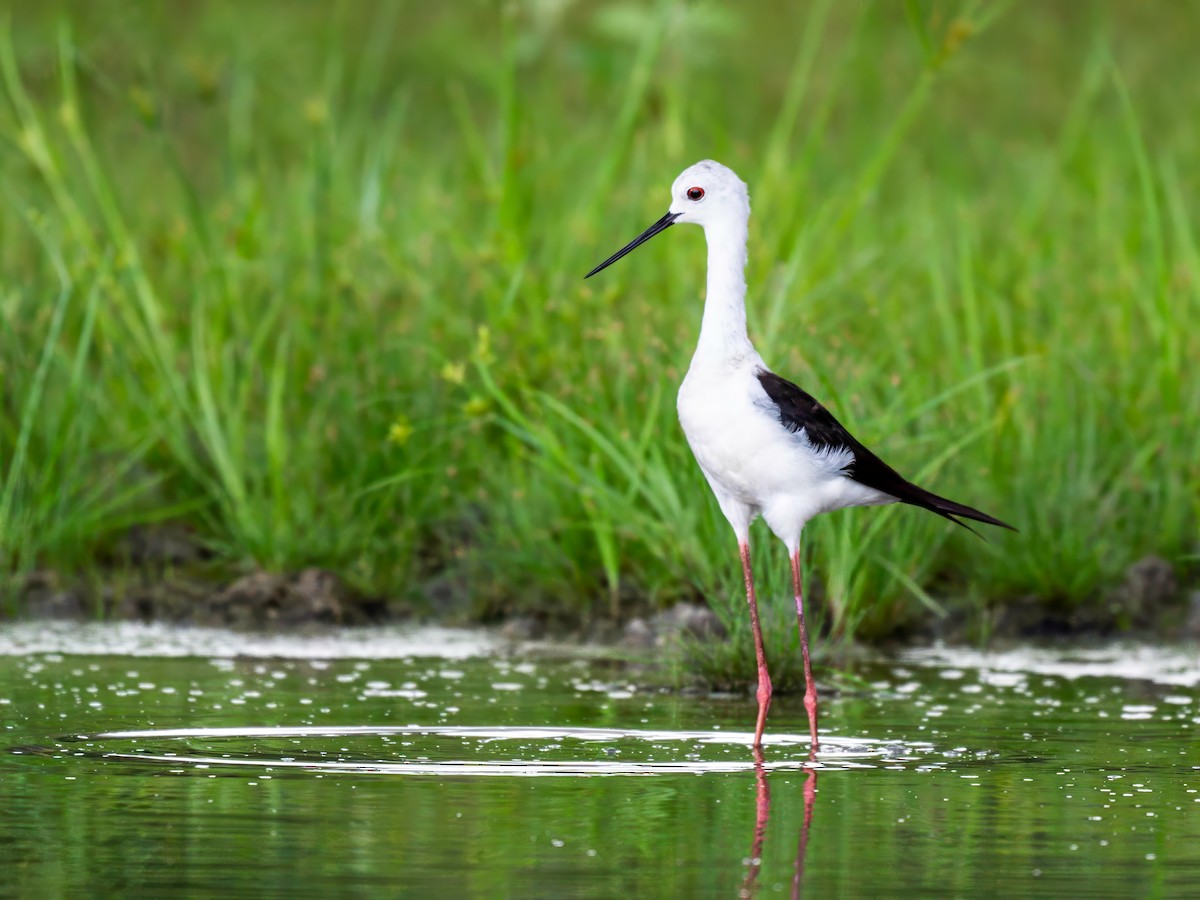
(136, 639)
(1177, 665)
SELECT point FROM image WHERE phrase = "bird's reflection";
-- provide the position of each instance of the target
(810, 795)
(762, 812)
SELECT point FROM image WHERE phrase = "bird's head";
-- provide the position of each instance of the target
(706, 194)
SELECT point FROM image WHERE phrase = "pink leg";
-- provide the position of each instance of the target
(810, 686)
(764, 679)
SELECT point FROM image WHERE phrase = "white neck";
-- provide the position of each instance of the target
(723, 329)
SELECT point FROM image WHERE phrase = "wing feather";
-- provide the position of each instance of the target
(799, 411)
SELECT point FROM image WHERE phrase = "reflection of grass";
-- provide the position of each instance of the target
(313, 281)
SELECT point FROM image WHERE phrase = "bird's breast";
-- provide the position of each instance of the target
(733, 439)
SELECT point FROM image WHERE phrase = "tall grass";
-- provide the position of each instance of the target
(310, 279)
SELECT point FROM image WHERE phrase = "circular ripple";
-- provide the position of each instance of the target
(489, 751)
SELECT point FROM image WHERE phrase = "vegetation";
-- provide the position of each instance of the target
(309, 278)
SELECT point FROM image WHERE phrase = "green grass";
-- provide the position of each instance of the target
(310, 278)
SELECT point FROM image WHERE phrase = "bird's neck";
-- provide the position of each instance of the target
(723, 329)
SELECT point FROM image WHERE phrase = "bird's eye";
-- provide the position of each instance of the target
(695, 193)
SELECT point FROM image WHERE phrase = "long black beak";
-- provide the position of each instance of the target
(661, 225)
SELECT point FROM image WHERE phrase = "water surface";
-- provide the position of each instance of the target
(177, 763)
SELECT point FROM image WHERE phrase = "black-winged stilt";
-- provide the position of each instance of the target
(766, 447)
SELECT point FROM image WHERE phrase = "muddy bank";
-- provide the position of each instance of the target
(1151, 601)
(254, 602)
(165, 575)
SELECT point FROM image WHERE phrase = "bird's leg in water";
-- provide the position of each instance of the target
(764, 679)
(810, 685)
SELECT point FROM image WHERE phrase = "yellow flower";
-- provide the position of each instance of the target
(476, 406)
(454, 372)
(401, 431)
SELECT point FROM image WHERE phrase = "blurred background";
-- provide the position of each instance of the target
(300, 285)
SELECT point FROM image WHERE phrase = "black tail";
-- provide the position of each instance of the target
(947, 509)
(799, 411)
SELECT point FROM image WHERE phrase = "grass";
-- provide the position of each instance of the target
(310, 278)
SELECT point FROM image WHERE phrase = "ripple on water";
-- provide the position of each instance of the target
(479, 751)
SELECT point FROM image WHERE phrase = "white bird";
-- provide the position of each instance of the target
(766, 447)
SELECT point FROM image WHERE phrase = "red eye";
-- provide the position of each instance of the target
(695, 193)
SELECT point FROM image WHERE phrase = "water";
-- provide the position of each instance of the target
(438, 766)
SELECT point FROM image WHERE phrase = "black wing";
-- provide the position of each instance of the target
(798, 409)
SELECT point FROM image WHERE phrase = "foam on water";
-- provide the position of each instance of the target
(1178, 665)
(137, 639)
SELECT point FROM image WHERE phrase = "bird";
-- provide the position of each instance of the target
(766, 447)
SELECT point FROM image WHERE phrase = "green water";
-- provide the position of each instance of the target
(1025, 774)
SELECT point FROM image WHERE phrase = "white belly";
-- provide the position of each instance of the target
(755, 465)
